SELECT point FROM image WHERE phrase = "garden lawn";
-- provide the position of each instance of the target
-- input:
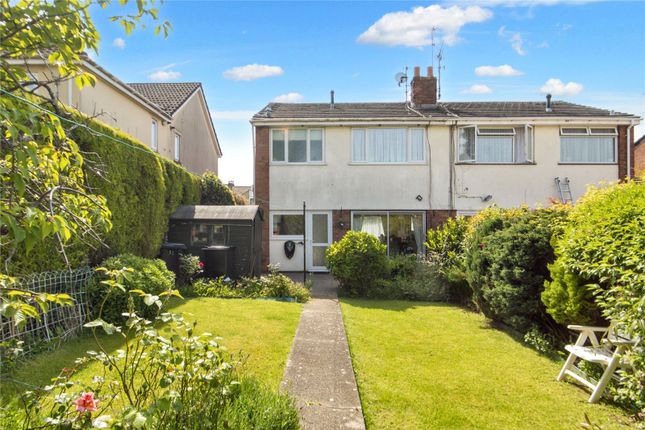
(434, 366)
(262, 330)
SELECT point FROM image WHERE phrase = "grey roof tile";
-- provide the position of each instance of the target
(348, 111)
(168, 95)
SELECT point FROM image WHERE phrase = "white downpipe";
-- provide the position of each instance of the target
(629, 149)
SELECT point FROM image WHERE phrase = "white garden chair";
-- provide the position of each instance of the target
(607, 351)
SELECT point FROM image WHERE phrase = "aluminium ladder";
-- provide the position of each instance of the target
(564, 189)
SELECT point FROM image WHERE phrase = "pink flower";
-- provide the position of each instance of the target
(86, 403)
(201, 264)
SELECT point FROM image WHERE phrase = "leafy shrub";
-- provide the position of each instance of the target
(419, 281)
(445, 249)
(357, 261)
(149, 276)
(541, 342)
(604, 243)
(189, 267)
(274, 285)
(507, 254)
(239, 199)
(214, 192)
(256, 407)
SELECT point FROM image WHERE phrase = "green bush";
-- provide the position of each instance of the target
(142, 189)
(357, 261)
(273, 285)
(257, 407)
(411, 280)
(603, 242)
(214, 192)
(445, 249)
(507, 253)
(150, 276)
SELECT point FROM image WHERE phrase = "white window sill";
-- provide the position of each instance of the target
(492, 163)
(403, 163)
(587, 163)
(312, 163)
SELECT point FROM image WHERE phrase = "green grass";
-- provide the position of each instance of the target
(261, 330)
(433, 366)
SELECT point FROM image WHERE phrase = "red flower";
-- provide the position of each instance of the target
(86, 403)
(201, 264)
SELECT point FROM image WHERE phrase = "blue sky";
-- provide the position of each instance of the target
(247, 54)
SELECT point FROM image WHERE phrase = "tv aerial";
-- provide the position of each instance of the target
(401, 78)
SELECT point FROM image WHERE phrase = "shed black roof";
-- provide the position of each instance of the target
(215, 213)
(346, 111)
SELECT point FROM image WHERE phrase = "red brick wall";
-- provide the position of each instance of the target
(262, 187)
(339, 217)
(622, 151)
(424, 88)
(639, 160)
(434, 218)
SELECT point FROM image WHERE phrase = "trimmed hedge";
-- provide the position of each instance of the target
(142, 190)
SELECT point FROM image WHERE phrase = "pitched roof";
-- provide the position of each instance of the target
(221, 213)
(168, 95)
(345, 111)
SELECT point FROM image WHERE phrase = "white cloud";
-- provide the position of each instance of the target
(478, 89)
(119, 43)
(289, 98)
(164, 75)
(544, 45)
(503, 70)
(232, 115)
(558, 88)
(517, 43)
(414, 28)
(252, 71)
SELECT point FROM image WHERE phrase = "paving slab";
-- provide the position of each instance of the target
(319, 371)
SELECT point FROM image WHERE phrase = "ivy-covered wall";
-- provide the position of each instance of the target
(142, 190)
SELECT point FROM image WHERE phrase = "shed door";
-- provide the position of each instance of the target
(319, 231)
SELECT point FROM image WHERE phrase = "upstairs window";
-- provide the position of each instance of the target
(388, 145)
(153, 135)
(588, 145)
(297, 146)
(511, 145)
(177, 147)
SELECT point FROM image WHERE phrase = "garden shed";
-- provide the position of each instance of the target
(237, 227)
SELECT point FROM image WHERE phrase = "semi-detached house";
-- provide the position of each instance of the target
(396, 169)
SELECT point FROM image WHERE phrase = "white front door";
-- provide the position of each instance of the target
(319, 233)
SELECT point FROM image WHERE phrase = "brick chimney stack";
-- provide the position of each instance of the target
(424, 88)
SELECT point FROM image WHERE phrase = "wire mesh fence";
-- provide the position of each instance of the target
(59, 322)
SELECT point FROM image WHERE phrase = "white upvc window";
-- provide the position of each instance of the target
(289, 225)
(388, 145)
(177, 142)
(506, 145)
(402, 232)
(298, 145)
(154, 135)
(588, 145)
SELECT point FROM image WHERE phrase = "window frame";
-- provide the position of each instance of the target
(154, 135)
(613, 135)
(408, 143)
(387, 213)
(177, 147)
(286, 146)
(287, 236)
(529, 152)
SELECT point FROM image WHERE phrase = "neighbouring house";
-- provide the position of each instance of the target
(396, 169)
(172, 119)
(245, 191)
(639, 157)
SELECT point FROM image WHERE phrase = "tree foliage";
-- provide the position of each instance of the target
(214, 192)
(43, 191)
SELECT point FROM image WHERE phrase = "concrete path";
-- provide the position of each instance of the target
(319, 371)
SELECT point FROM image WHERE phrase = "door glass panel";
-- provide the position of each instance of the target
(319, 259)
(320, 230)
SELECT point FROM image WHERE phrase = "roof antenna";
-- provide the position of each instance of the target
(402, 78)
(439, 67)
